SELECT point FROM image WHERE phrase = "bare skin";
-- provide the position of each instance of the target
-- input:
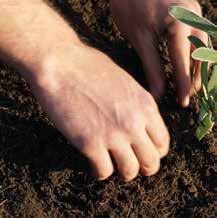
(103, 111)
(147, 21)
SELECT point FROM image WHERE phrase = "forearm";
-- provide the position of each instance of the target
(30, 30)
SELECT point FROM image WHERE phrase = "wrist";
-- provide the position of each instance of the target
(50, 65)
(33, 35)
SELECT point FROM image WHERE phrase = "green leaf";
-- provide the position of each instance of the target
(205, 54)
(204, 73)
(193, 20)
(203, 113)
(213, 104)
(204, 110)
(204, 66)
(213, 93)
(205, 127)
(196, 41)
(205, 92)
(213, 80)
(215, 119)
(210, 45)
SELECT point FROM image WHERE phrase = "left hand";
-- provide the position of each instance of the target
(142, 21)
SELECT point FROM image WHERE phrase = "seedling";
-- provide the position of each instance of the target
(208, 57)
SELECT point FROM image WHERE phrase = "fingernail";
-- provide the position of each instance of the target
(96, 176)
(186, 101)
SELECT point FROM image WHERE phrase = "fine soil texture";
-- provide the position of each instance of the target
(41, 175)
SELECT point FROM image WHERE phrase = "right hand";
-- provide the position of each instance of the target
(143, 22)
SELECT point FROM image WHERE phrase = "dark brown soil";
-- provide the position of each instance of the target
(42, 176)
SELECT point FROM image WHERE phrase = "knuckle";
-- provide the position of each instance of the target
(150, 98)
(151, 108)
(131, 127)
(151, 102)
(197, 7)
(89, 143)
(88, 148)
(133, 122)
(164, 150)
(194, 6)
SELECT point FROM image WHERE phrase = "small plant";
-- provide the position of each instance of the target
(208, 57)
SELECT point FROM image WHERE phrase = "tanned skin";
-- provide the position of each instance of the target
(99, 107)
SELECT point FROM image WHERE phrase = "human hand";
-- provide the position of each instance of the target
(103, 112)
(142, 22)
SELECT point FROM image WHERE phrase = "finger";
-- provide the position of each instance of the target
(179, 49)
(196, 83)
(145, 45)
(201, 35)
(197, 64)
(158, 133)
(100, 161)
(148, 156)
(125, 159)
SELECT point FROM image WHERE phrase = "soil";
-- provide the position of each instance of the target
(42, 176)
